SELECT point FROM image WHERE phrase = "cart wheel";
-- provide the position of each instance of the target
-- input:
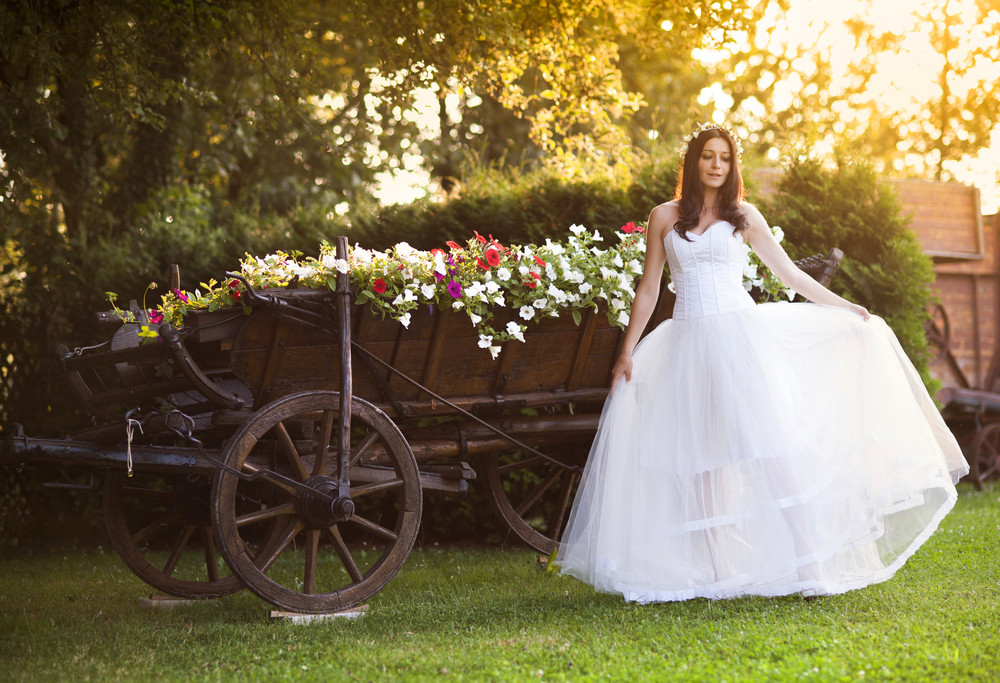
(325, 557)
(161, 528)
(533, 495)
(984, 465)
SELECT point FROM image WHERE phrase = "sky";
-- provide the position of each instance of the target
(904, 82)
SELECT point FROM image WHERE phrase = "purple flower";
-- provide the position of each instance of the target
(455, 289)
(181, 296)
(438, 276)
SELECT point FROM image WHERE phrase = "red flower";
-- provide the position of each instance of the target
(536, 275)
(435, 252)
(155, 317)
(629, 228)
(379, 286)
(479, 237)
(540, 262)
(235, 293)
(530, 284)
(453, 245)
(493, 257)
(484, 266)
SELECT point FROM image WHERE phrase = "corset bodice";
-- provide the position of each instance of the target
(707, 272)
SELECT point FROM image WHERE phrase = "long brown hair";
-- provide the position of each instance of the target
(691, 194)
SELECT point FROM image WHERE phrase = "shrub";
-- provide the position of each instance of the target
(884, 268)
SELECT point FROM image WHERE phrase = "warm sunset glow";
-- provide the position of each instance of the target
(905, 81)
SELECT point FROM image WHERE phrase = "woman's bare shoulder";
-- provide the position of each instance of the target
(667, 211)
(753, 214)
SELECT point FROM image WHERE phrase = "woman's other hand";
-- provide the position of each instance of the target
(861, 310)
(622, 368)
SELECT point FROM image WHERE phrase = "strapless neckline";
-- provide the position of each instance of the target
(702, 233)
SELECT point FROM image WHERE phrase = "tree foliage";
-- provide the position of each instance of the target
(787, 92)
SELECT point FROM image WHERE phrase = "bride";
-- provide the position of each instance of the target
(752, 449)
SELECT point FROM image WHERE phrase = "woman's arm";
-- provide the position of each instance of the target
(774, 257)
(661, 220)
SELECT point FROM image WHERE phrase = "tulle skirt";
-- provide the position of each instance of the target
(786, 448)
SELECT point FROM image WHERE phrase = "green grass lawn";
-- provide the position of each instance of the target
(491, 614)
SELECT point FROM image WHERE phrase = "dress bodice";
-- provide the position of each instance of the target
(707, 271)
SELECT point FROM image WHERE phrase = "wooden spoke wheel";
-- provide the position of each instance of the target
(161, 527)
(984, 466)
(533, 495)
(326, 555)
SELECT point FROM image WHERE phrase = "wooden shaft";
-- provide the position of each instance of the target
(346, 387)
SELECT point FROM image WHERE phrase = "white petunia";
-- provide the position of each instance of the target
(499, 300)
(406, 252)
(540, 303)
(556, 294)
(623, 318)
(427, 291)
(617, 261)
(439, 265)
(485, 340)
(527, 312)
(360, 255)
(494, 351)
(503, 274)
(475, 318)
(492, 287)
(514, 330)
(577, 230)
(586, 287)
(405, 319)
(303, 271)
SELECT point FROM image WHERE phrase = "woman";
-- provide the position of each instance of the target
(752, 450)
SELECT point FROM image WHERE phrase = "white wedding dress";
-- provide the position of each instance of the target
(758, 449)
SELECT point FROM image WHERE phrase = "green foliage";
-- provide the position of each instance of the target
(884, 268)
(520, 208)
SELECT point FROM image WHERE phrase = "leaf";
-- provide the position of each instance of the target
(577, 317)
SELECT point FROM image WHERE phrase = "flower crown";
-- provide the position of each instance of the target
(708, 125)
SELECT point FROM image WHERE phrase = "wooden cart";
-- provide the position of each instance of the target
(288, 450)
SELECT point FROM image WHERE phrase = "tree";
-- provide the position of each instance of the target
(791, 93)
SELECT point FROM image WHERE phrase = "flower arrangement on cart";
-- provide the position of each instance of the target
(478, 279)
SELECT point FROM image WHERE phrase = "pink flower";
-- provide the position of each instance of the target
(181, 296)
(155, 317)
